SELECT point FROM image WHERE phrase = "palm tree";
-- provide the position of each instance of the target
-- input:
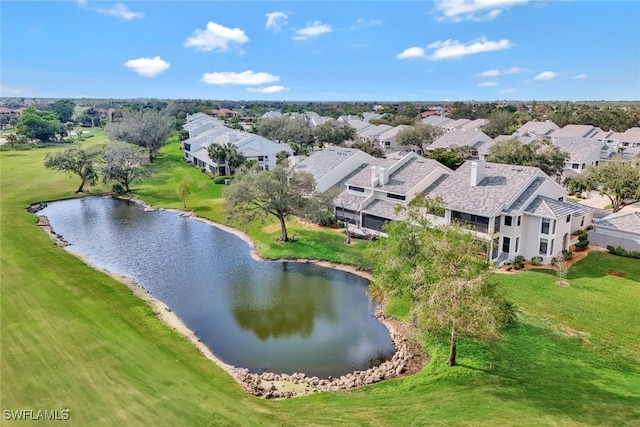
(218, 153)
(250, 166)
(232, 155)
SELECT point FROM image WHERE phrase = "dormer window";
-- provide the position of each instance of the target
(396, 196)
(358, 189)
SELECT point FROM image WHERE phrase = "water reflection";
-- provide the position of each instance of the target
(265, 316)
(289, 304)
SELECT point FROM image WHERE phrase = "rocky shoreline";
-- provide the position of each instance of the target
(407, 359)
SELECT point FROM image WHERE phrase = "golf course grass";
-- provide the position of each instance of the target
(74, 338)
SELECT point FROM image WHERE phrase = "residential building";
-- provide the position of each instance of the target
(582, 152)
(457, 138)
(331, 165)
(619, 229)
(541, 130)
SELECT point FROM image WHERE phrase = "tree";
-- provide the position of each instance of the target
(452, 158)
(333, 132)
(233, 156)
(282, 158)
(500, 123)
(618, 181)
(183, 189)
(217, 153)
(278, 192)
(225, 153)
(146, 128)
(442, 271)
(124, 163)
(250, 166)
(420, 135)
(75, 161)
(34, 124)
(64, 109)
(286, 129)
(544, 155)
(372, 148)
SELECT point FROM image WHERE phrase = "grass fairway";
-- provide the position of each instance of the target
(72, 337)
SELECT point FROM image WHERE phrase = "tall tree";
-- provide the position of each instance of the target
(500, 123)
(146, 128)
(452, 158)
(618, 181)
(217, 153)
(124, 163)
(278, 192)
(442, 271)
(282, 158)
(544, 155)
(75, 161)
(420, 135)
(34, 124)
(64, 109)
(333, 132)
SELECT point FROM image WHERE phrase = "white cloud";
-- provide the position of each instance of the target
(118, 10)
(513, 70)
(268, 89)
(275, 21)
(546, 75)
(473, 10)
(244, 78)
(486, 84)
(313, 29)
(452, 49)
(148, 67)
(489, 73)
(12, 91)
(581, 76)
(510, 90)
(412, 52)
(363, 23)
(215, 37)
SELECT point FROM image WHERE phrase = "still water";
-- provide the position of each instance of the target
(281, 317)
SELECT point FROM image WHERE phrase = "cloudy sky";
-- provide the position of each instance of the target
(322, 50)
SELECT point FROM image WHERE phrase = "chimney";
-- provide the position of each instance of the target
(384, 175)
(478, 172)
(374, 175)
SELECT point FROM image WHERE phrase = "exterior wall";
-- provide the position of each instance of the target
(605, 236)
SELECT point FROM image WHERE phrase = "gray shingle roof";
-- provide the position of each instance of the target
(629, 222)
(436, 120)
(579, 149)
(501, 185)
(525, 196)
(550, 208)
(322, 162)
(383, 209)
(538, 128)
(574, 131)
(459, 138)
(631, 135)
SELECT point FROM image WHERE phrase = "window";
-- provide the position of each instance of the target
(574, 166)
(553, 227)
(395, 196)
(568, 218)
(480, 223)
(582, 222)
(551, 247)
(358, 189)
(543, 246)
(582, 166)
(519, 220)
(515, 249)
(496, 224)
(187, 147)
(261, 158)
(506, 243)
(507, 221)
(561, 198)
(545, 226)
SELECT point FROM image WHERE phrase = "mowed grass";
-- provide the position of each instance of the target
(72, 337)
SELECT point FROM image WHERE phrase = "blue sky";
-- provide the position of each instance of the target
(457, 50)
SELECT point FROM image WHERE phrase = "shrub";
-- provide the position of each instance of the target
(324, 218)
(220, 179)
(623, 252)
(117, 188)
(536, 260)
(509, 267)
(577, 233)
(567, 255)
(518, 262)
(583, 237)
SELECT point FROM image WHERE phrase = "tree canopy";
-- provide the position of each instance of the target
(34, 124)
(286, 130)
(64, 109)
(226, 152)
(452, 158)
(333, 132)
(500, 123)
(544, 155)
(443, 272)
(420, 135)
(124, 163)
(618, 181)
(75, 161)
(145, 128)
(278, 192)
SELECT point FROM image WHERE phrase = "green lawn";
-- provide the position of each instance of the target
(72, 337)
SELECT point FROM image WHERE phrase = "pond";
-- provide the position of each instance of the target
(267, 316)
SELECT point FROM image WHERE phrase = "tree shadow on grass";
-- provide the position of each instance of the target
(559, 376)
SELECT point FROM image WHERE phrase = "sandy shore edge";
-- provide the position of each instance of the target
(291, 388)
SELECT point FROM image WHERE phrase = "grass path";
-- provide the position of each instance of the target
(72, 337)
